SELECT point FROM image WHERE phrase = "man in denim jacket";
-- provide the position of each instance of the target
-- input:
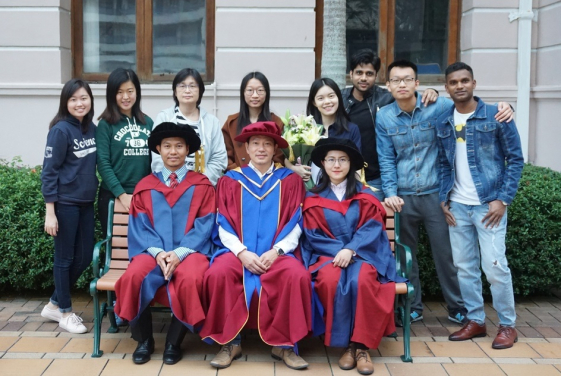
(480, 165)
(362, 102)
(408, 157)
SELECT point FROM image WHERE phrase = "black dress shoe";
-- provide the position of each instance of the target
(143, 350)
(172, 354)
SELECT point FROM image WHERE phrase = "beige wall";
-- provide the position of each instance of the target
(276, 37)
(489, 43)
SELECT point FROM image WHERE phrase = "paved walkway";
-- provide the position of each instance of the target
(30, 345)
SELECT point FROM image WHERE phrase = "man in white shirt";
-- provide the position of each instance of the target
(259, 223)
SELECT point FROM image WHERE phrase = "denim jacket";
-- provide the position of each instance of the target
(407, 147)
(494, 154)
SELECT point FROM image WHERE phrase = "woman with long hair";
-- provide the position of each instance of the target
(325, 103)
(188, 89)
(347, 251)
(255, 94)
(69, 184)
(123, 157)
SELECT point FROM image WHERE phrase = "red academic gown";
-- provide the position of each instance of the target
(357, 302)
(168, 218)
(260, 213)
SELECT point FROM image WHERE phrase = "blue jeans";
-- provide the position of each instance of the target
(489, 255)
(377, 183)
(73, 250)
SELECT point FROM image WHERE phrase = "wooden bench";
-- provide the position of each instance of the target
(117, 261)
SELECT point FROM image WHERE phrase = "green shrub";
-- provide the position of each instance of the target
(533, 239)
(26, 249)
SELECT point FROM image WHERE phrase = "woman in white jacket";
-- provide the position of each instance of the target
(188, 89)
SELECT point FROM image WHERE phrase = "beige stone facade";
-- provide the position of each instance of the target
(279, 40)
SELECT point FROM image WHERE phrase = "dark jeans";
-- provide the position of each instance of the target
(73, 249)
(103, 198)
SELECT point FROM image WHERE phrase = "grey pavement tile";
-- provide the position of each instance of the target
(65, 355)
(513, 361)
(22, 355)
(435, 359)
(39, 334)
(472, 360)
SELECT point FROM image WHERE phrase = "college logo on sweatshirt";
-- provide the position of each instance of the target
(136, 139)
(84, 147)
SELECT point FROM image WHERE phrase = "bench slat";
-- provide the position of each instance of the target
(120, 230)
(120, 254)
(107, 282)
(119, 264)
(122, 219)
(119, 242)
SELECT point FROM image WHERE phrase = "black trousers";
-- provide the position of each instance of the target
(143, 329)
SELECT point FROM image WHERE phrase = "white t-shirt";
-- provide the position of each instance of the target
(464, 190)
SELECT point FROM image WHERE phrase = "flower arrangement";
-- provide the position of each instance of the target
(301, 129)
(301, 132)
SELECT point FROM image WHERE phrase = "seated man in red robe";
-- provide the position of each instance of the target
(169, 239)
(259, 224)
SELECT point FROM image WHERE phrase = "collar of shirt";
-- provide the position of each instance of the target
(270, 170)
(181, 172)
(339, 189)
(418, 106)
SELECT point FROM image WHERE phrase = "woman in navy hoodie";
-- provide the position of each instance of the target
(69, 188)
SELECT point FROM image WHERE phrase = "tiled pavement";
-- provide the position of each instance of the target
(30, 345)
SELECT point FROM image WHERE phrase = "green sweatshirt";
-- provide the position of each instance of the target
(123, 157)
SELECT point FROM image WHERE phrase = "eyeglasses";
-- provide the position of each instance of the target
(331, 161)
(397, 81)
(249, 92)
(192, 87)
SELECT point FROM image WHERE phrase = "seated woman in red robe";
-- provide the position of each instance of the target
(347, 251)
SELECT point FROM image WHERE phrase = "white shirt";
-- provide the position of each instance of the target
(339, 189)
(181, 252)
(464, 190)
(287, 244)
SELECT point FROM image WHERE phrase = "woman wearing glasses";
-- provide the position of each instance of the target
(348, 253)
(254, 106)
(188, 89)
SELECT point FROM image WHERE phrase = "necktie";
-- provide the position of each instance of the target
(173, 180)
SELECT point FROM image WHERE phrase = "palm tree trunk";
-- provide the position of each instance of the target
(334, 55)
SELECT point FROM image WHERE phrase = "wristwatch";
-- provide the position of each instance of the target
(280, 252)
(504, 203)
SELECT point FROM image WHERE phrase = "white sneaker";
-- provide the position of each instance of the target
(51, 314)
(72, 324)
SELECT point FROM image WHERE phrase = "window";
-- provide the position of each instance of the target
(156, 38)
(425, 32)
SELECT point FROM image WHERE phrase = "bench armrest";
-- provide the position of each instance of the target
(97, 272)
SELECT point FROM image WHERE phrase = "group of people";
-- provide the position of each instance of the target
(218, 216)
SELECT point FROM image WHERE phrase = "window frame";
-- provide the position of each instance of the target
(144, 50)
(386, 41)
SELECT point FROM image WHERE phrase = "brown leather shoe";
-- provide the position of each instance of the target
(226, 355)
(364, 364)
(347, 361)
(470, 330)
(506, 337)
(289, 357)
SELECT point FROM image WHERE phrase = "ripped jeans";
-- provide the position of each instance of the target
(475, 247)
